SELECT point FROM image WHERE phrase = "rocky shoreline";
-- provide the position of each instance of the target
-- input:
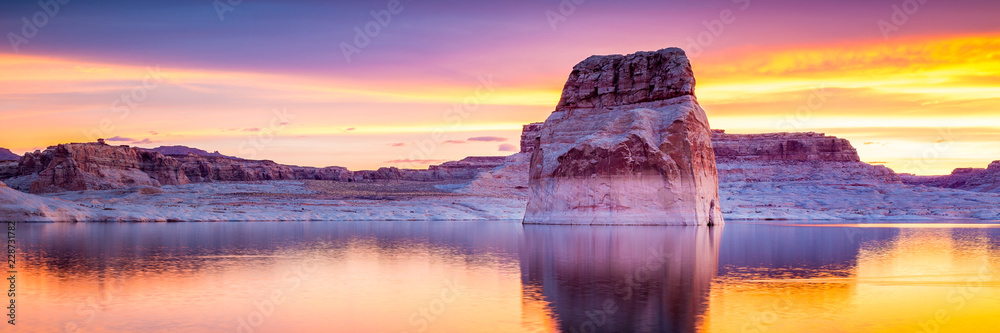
(814, 180)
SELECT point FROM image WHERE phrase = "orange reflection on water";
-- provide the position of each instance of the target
(504, 277)
(900, 225)
(274, 278)
(928, 279)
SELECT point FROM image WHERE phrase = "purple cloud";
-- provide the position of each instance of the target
(488, 139)
(118, 138)
(254, 129)
(397, 144)
(507, 147)
(143, 141)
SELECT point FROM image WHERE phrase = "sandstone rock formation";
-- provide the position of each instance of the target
(529, 133)
(96, 166)
(7, 155)
(969, 179)
(510, 179)
(782, 147)
(507, 180)
(792, 157)
(8, 169)
(761, 180)
(627, 144)
(185, 150)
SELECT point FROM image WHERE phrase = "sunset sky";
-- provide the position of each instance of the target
(440, 80)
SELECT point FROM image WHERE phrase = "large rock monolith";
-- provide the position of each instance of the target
(628, 144)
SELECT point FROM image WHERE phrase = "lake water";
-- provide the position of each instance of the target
(505, 277)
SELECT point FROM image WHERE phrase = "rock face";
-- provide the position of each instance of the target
(628, 144)
(8, 169)
(7, 155)
(507, 180)
(184, 150)
(793, 157)
(969, 179)
(529, 133)
(800, 147)
(17, 206)
(97, 166)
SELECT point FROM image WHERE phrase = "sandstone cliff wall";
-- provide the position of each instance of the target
(98, 166)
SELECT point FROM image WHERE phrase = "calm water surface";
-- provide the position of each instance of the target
(505, 277)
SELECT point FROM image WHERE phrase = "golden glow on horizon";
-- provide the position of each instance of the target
(911, 88)
(917, 84)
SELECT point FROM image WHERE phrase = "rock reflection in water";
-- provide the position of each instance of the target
(621, 279)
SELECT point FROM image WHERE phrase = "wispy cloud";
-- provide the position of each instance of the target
(487, 139)
(507, 147)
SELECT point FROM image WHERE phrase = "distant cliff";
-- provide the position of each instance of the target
(784, 157)
(185, 150)
(98, 166)
(799, 147)
(7, 155)
(969, 179)
(94, 166)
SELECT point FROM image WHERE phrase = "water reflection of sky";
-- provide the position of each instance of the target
(501, 276)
